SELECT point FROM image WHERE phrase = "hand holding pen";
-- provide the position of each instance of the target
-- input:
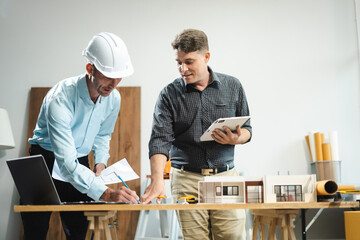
(138, 201)
(123, 194)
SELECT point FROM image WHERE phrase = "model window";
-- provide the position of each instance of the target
(288, 193)
(235, 190)
(225, 190)
(230, 190)
(255, 194)
(218, 191)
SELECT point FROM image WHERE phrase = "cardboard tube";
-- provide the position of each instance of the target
(326, 187)
(346, 187)
(326, 151)
(318, 148)
(322, 137)
(327, 164)
(308, 145)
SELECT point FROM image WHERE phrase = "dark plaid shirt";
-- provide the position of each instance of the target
(182, 113)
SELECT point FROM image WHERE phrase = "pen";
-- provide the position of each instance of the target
(161, 196)
(124, 184)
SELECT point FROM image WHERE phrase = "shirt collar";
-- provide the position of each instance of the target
(213, 77)
(83, 90)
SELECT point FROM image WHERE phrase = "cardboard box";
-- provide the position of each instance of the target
(352, 225)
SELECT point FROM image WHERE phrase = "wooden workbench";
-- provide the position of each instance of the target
(100, 214)
(207, 206)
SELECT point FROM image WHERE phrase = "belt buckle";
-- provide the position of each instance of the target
(206, 172)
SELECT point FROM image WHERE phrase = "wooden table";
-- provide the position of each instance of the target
(204, 206)
(89, 209)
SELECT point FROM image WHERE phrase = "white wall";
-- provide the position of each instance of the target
(297, 59)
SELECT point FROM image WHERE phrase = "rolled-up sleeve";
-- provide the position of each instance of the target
(243, 110)
(162, 134)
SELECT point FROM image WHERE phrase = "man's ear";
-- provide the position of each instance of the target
(90, 69)
(207, 56)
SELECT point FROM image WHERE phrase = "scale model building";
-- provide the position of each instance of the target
(269, 189)
(222, 190)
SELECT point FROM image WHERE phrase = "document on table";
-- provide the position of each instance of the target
(121, 168)
(109, 175)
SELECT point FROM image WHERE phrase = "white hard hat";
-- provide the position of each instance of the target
(109, 54)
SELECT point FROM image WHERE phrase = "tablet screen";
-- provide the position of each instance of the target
(231, 123)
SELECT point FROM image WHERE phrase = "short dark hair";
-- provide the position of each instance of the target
(191, 40)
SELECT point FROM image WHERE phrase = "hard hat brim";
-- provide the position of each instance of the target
(121, 74)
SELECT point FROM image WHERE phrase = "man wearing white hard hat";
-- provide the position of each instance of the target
(78, 115)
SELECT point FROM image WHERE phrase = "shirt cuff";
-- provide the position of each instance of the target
(159, 151)
(96, 190)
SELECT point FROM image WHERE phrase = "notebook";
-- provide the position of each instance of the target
(34, 183)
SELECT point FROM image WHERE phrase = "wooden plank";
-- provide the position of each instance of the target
(125, 143)
(36, 98)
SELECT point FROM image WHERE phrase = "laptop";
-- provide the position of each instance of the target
(34, 182)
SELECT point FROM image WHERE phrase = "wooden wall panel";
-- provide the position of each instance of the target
(125, 143)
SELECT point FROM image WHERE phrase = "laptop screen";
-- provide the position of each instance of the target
(33, 180)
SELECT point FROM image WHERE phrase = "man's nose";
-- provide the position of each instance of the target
(184, 67)
(113, 83)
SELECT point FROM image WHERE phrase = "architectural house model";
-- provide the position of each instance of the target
(290, 188)
(224, 189)
(269, 189)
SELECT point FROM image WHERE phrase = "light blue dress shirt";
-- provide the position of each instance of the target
(70, 124)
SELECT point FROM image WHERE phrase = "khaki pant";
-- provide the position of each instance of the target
(205, 224)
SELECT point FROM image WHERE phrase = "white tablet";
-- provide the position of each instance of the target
(231, 123)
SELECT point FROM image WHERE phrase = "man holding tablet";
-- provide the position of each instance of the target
(183, 112)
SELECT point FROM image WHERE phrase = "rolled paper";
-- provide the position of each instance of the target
(312, 145)
(327, 163)
(308, 145)
(322, 137)
(326, 187)
(318, 148)
(333, 137)
(346, 187)
(326, 150)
